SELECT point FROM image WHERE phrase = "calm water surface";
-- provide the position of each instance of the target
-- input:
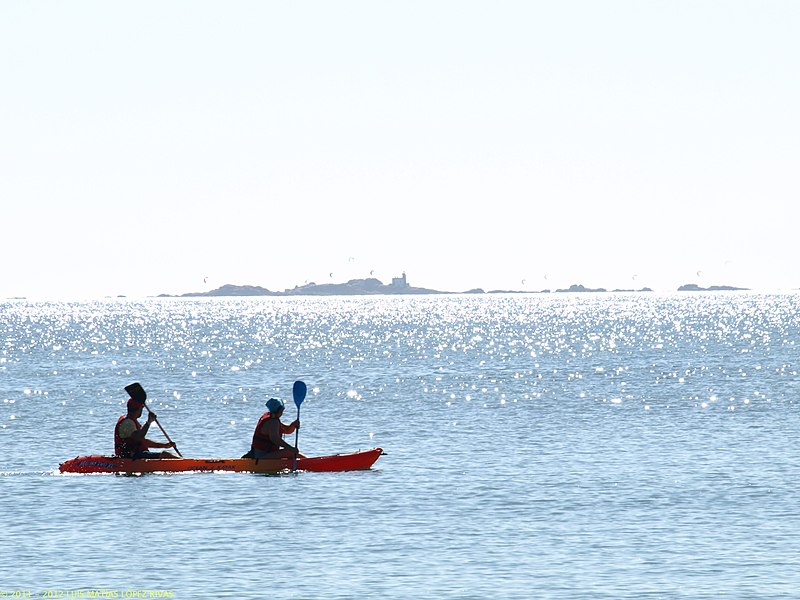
(538, 446)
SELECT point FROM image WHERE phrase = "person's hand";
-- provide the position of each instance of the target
(151, 417)
(170, 445)
(296, 423)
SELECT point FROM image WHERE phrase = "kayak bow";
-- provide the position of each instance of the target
(113, 464)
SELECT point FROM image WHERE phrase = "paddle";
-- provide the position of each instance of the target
(165, 433)
(299, 394)
(137, 392)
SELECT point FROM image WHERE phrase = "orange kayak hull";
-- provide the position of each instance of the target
(96, 463)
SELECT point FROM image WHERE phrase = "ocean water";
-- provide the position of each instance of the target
(537, 446)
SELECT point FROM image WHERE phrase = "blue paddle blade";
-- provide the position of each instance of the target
(299, 393)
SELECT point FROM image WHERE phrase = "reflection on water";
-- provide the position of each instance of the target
(610, 445)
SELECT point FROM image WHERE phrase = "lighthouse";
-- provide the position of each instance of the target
(400, 282)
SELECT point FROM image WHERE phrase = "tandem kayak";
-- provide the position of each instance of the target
(354, 461)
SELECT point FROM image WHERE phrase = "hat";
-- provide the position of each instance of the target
(137, 393)
(274, 405)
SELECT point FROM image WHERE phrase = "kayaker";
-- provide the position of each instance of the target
(268, 439)
(129, 435)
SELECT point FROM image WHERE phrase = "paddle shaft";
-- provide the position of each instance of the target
(165, 433)
(296, 436)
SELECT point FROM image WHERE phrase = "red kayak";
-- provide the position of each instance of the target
(113, 464)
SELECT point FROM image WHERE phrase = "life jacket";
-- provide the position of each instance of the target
(126, 447)
(262, 441)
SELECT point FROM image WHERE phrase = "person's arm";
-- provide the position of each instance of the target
(140, 433)
(153, 444)
(274, 429)
(291, 427)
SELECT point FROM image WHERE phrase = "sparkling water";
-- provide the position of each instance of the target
(537, 446)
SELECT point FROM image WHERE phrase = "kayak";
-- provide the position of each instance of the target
(114, 464)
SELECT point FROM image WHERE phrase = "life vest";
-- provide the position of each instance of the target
(262, 441)
(126, 447)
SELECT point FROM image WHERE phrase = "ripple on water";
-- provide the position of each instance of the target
(614, 444)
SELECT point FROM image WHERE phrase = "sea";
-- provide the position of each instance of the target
(609, 445)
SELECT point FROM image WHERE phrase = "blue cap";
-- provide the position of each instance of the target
(274, 405)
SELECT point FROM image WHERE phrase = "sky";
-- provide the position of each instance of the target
(154, 147)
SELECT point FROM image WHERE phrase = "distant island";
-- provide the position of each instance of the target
(400, 286)
(691, 287)
(354, 287)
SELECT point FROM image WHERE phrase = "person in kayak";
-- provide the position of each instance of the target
(129, 435)
(268, 439)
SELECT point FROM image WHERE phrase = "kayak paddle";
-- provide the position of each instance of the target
(165, 433)
(299, 394)
(137, 392)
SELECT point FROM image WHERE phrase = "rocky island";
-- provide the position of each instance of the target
(354, 287)
(693, 287)
(367, 287)
(400, 286)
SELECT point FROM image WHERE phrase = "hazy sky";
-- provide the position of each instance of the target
(172, 146)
